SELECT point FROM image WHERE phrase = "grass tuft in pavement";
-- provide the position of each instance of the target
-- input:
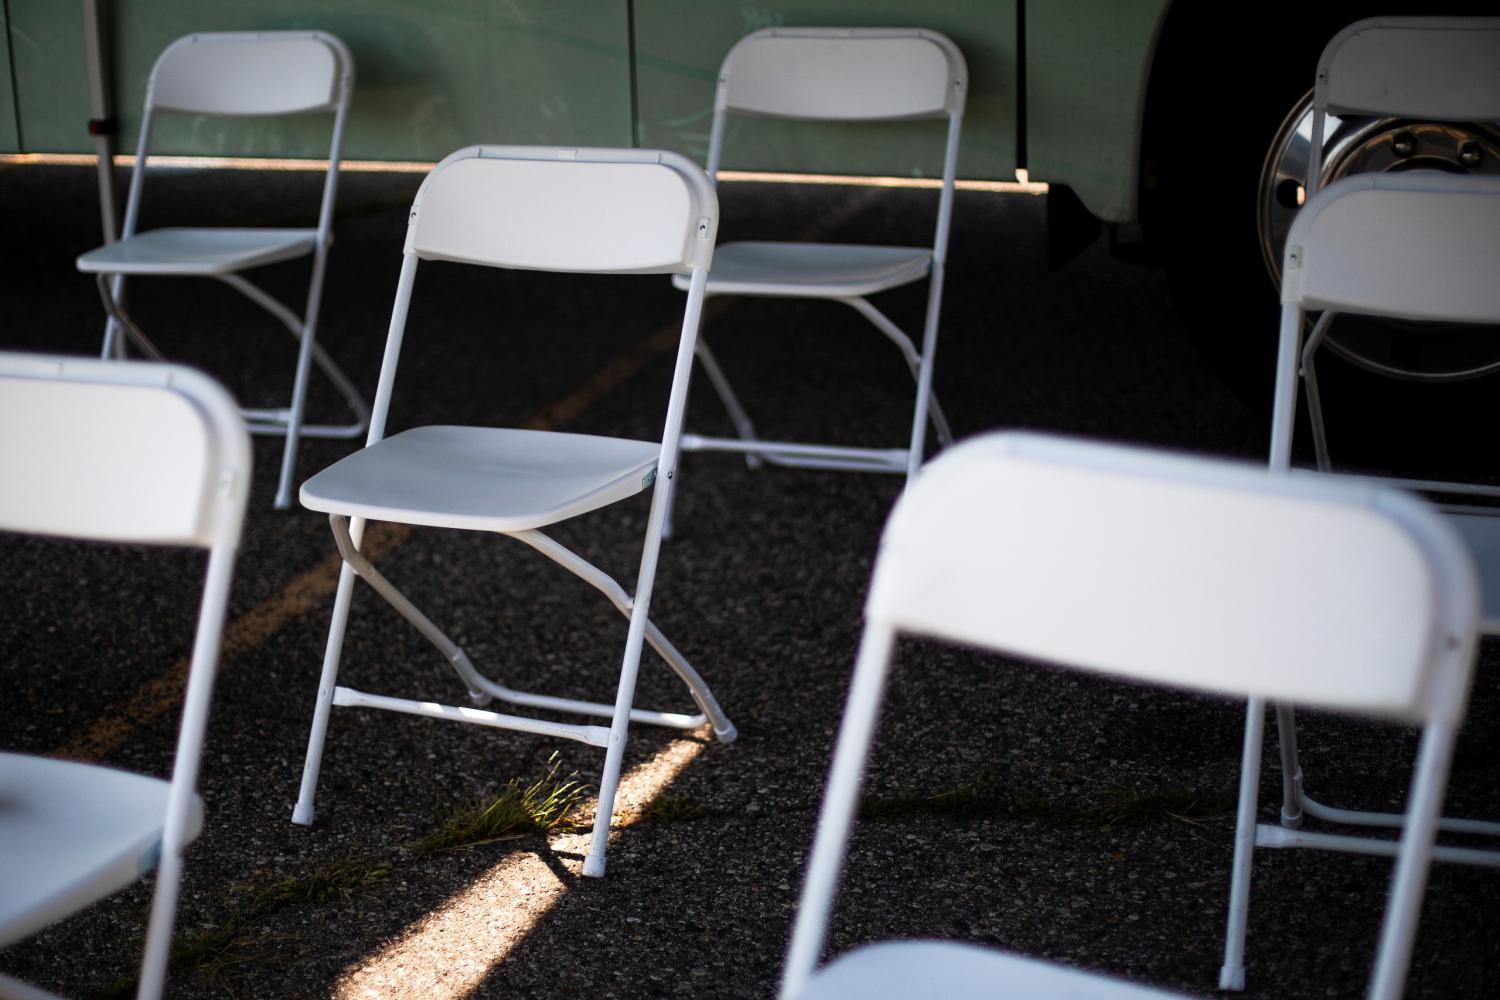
(515, 811)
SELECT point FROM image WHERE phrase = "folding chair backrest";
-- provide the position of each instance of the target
(1211, 576)
(843, 74)
(1445, 68)
(1435, 68)
(1415, 245)
(589, 210)
(120, 451)
(131, 452)
(251, 73)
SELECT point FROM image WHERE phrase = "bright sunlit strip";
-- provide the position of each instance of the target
(448, 953)
(1022, 184)
(769, 177)
(216, 162)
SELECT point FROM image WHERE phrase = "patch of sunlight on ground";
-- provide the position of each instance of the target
(448, 953)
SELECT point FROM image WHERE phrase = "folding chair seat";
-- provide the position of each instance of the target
(1419, 246)
(538, 208)
(1198, 574)
(1430, 69)
(240, 74)
(125, 452)
(838, 75)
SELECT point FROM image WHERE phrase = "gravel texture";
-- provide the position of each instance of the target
(1030, 809)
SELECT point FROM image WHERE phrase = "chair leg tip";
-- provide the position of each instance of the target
(1232, 978)
(593, 866)
(728, 733)
(283, 501)
(302, 815)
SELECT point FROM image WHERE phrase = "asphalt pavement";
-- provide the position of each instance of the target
(1039, 811)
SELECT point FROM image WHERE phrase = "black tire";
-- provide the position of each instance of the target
(1213, 111)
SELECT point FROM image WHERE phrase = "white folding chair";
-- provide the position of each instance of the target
(1418, 246)
(583, 210)
(125, 452)
(849, 75)
(240, 74)
(1205, 575)
(1431, 69)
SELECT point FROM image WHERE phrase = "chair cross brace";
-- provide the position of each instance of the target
(597, 736)
(812, 456)
(1271, 835)
(482, 689)
(258, 421)
(1296, 804)
(1308, 370)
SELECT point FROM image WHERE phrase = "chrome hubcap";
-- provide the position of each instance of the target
(1354, 145)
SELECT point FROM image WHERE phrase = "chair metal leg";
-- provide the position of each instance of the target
(294, 419)
(830, 841)
(287, 422)
(1232, 973)
(737, 415)
(812, 456)
(1314, 399)
(119, 320)
(1320, 432)
(306, 333)
(274, 421)
(306, 342)
(303, 812)
(908, 351)
(113, 348)
(630, 664)
(1425, 802)
(159, 925)
(1284, 405)
(1291, 767)
(606, 585)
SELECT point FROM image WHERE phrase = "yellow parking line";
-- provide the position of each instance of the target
(163, 694)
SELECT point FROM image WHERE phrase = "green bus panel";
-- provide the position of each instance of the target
(51, 76)
(429, 77)
(10, 135)
(1087, 63)
(680, 44)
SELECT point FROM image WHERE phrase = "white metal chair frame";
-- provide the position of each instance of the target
(241, 74)
(517, 206)
(839, 74)
(1421, 246)
(1095, 548)
(128, 452)
(1427, 68)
